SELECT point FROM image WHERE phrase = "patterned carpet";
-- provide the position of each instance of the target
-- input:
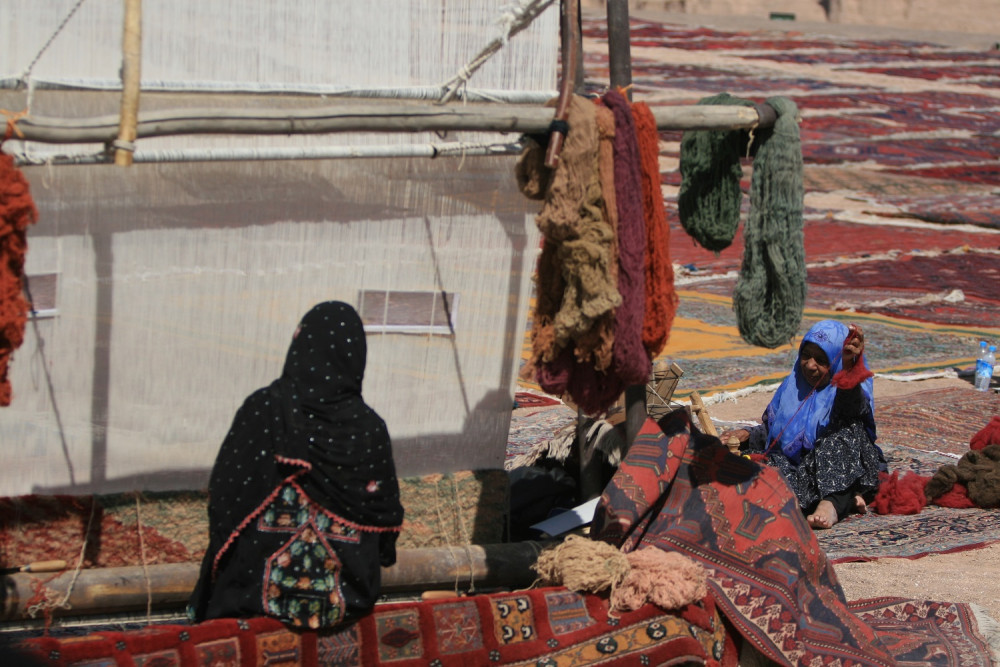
(706, 344)
(544, 626)
(936, 421)
(899, 144)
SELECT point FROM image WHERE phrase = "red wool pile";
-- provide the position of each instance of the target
(17, 211)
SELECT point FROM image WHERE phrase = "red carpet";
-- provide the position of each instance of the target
(830, 239)
(547, 626)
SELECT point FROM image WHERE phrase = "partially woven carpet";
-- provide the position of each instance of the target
(467, 507)
(547, 626)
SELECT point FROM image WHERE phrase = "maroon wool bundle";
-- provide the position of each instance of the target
(957, 498)
(631, 362)
(988, 435)
(901, 495)
(850, 379)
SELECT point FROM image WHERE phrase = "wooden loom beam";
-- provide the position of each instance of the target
(374, 118)
(114, 590)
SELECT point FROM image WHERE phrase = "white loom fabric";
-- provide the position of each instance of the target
(260, 45)
(180, 284)
(195, 276)
(388, 43)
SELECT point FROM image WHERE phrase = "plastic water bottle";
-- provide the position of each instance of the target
(984, 368)
(980, 358)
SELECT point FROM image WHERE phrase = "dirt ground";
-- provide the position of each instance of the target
(967, 576)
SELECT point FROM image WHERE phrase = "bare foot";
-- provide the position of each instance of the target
(860, 506)
(824, 516)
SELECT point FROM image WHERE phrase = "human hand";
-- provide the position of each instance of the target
(739, 435)
(854, 346)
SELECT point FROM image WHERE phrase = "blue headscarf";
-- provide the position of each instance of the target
(797, 415)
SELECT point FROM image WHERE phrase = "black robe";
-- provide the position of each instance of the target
(303, 498)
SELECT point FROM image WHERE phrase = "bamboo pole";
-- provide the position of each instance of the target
(375, 118)
(119, 590)
(131, 70)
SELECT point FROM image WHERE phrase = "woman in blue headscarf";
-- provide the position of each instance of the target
(819, 428)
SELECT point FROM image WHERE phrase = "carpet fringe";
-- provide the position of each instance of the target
(989, 629)
(721, 396)
(912, 377)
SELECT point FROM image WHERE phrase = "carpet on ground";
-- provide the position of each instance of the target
(829, 239)
(904, 626)
(937, 420)
(706, 344)
(934, 530)
(914, 286)
(975, 208)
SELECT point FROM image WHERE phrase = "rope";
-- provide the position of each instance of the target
(513, 19)
(45, 594)
(27, 72)
(142, 555)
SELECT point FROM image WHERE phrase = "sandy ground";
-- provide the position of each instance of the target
(967, 576)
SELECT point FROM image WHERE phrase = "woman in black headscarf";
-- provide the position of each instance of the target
(303, 498)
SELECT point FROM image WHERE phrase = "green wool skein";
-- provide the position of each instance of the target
(770, 292)
(709, 199)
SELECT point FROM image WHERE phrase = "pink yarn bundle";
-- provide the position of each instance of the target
(666, 578)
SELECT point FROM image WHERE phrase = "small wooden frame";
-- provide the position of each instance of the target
(661, 388)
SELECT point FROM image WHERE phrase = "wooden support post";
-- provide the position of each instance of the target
(619, 46)
(698, 407)
(131, 70)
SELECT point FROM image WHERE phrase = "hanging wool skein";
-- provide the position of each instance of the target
(17, 211)
(631, 362)
(575, 286)
(593, 384)
(661, 299)
(709, 200)
(597, 344)
(770, 292)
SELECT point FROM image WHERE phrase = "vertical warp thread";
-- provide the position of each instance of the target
(631, 362)
(770, 291)
(661, 299)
